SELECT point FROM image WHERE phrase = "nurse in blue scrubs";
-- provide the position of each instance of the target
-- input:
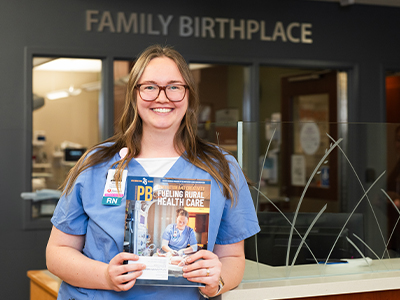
(158, 132)
(178, 238)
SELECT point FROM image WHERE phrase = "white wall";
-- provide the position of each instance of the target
(73, 119)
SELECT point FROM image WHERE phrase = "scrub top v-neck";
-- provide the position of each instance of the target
(81, 213)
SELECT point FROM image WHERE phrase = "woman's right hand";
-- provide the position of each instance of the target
(120, 276)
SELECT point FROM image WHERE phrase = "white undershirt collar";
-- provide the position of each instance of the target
(155, 167)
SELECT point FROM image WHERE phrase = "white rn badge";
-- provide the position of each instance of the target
(113, 195)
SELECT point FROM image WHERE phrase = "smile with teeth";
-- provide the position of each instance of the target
(162, 110)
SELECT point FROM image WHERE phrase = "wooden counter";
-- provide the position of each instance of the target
(361, 282)
(377, 281)
(44, 285)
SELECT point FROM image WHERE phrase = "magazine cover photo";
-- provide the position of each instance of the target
(166, 220)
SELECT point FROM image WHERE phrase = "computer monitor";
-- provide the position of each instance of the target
(272, 240)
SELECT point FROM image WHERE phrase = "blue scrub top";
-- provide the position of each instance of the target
(82, 213)
(177, 240)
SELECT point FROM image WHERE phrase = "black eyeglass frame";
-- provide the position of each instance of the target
(162, 88)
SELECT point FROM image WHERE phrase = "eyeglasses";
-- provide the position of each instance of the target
(173, 92)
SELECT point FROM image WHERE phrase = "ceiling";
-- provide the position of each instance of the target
(370, 2)
(66, 64)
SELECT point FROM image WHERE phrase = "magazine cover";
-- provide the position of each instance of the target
(166, 220)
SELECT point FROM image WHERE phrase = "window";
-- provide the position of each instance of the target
(65, 121)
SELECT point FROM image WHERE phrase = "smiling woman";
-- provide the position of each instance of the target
(160, 129)
(161, 117)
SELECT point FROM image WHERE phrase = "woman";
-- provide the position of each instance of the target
(158, 128)
(178, 236)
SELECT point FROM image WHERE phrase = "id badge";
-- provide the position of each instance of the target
(113, 196)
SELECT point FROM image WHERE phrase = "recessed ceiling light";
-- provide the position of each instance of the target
(71, 65)
(71, 91)
(199, 66)
(57, 95)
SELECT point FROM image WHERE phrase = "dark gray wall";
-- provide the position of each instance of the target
(362, 39)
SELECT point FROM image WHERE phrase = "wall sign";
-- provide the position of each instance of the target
(310, 138)
(298, 170)
(200, 27)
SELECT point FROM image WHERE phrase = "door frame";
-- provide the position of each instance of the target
(106, 112)
(306, 85)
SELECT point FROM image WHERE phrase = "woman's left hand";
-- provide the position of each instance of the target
(204, 267)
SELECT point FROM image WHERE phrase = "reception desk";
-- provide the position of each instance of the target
(44, 285)
(381, 280)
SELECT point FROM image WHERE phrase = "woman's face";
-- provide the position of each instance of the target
(181, 222)
(161, 114)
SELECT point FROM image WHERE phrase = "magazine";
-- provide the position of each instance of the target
(166, 220)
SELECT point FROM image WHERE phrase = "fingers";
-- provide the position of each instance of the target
(206, 275)
(124, 256)
(202, 254)
(203, 274)
(120, 276)
(126, 281)
(202, 260)
(209, 277)
(204, 267)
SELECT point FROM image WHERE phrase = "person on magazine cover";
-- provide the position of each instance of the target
(159, 130)
(178, 236)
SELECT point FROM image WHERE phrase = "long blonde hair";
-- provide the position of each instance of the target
(205, 155)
